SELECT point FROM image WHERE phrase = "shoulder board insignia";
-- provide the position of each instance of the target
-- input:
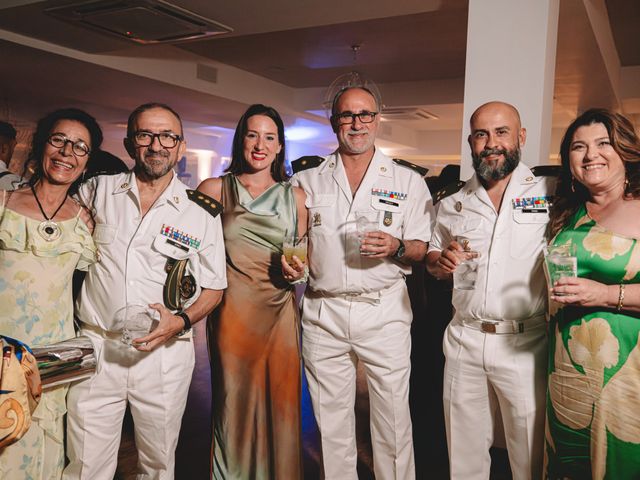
(304, 163)
(422, 171)
(546, 170)
(448, 190)
(212, 206)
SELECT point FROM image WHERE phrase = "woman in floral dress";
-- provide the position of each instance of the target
(44, 237)
(593, 401)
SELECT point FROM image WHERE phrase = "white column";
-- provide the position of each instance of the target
(511, 55)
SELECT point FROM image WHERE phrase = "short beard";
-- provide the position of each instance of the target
(487, 173)
(149, 170)
(348, 147)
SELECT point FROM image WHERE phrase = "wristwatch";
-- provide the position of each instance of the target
(187, 323)
(400, 251)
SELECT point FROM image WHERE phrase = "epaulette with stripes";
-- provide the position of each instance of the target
(422, 171)
(212, 206)
(448, 190)
(304, 163)
(546, 170)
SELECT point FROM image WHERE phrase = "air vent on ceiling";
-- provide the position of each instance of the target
(207, 73)
(407, 113)
(142, 21)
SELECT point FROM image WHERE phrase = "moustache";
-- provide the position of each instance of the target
(492, 151)
(156, 155)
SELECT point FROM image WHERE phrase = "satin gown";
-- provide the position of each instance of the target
(254, 342)
(593, 399)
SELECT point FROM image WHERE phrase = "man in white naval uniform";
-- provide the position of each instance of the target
(356, 306)
(495, 346)
(145, 219)
(8, 179)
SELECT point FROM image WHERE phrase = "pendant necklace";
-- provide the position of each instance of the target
(49, 230)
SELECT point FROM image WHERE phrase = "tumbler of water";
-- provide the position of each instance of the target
(466, 273)
(366, 221)
(561, 262)
(139, 321)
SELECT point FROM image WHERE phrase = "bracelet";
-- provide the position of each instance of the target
(187, 322)
(302, 279)
(620, 298)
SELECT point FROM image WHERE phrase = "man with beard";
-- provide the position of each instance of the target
(356, 307)
(495, 346)
(147, 225)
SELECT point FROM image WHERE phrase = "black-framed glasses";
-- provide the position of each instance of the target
(79, 148)
(166, 139)
(348, 117)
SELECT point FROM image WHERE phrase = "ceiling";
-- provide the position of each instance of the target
(289, 51)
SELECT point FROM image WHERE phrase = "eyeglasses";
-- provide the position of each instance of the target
(347, 117)
(166, 139)
(79, 148)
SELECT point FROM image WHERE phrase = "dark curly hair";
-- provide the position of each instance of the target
(570, 195)
(238, 163)
(41, 135)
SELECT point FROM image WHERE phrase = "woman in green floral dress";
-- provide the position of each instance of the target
(593, 400)
(44, 237)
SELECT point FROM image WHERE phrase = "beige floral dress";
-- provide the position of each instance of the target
(36, 308)
(593, 399)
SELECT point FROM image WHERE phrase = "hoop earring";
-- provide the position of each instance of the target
(573, 185)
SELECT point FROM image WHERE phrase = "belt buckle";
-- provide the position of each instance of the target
(488, 327)
(362, 297)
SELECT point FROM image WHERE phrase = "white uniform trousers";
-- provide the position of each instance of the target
(154, 384)
(337, 332)
(484, 371)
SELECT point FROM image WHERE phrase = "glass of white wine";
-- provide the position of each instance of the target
(294, 245)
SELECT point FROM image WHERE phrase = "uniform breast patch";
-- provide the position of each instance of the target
(180, 237)
(379, 192)
(532, 204)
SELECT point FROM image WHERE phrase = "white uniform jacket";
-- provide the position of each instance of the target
(406, 211)
(8, 179)
(133, 251)
(511, 283)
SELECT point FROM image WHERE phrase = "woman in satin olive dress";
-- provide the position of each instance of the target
(254, 334)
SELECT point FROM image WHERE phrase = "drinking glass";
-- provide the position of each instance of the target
(139, 321)
(366, 221)
(466, 273)
(292, 245)
(561, 262)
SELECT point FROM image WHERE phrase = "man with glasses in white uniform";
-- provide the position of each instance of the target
(147, 224)
(356, 306)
